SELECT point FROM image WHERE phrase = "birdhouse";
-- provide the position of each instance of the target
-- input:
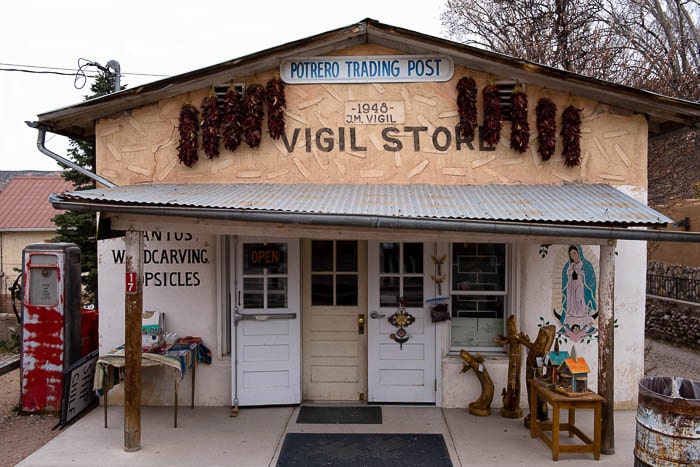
(573, 373)
(556, 358)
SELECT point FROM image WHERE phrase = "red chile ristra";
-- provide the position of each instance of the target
(520, 128)
(188, 128)
(210, 126)
(492, 115)
(252, 123)
(232, 120)
(276, 103)
(546, 112)
(466, 106)
(571, 136)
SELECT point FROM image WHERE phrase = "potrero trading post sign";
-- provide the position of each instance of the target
(364, 69)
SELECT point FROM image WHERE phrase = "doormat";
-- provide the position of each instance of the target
(364, 449)
(340, 414)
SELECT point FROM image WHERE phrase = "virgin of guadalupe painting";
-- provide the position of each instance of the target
(579, 305)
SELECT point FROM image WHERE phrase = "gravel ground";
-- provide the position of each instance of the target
(21, 435)
(662, 359)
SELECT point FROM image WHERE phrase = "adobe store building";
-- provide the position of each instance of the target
(288, 255)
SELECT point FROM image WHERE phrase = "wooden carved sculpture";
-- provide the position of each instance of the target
(511, 393)
(481, 406)
(538, 349)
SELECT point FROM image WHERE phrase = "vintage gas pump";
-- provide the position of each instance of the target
(50, 322)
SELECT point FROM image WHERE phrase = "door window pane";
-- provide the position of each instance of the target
(277, 292)
(389, 258)
(389, 291)
(413, 291)
(346, 256)
(322, 290)
(413, 258)
(253, 292)
(281, 248)
(321, 255)
(346, 290)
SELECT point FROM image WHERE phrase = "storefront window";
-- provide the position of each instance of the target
(478, 294)
(265, 276)
(400, 274)
(334, 273)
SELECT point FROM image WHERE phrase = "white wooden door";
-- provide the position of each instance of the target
(400, 372)
(334, 340)
(266, 362)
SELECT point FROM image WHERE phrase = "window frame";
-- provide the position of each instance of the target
(507, 293)
(401, 274)
(334, 273)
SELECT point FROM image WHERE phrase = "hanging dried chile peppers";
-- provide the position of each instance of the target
(571, 136)
(210, 126)
(188, 127)
(492, 115)
(546, 112)
(276, 103)
(466, 106)
(232, 120)
(253, 108)
(520, 128)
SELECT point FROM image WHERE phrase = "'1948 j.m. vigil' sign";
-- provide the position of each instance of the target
(375, 69)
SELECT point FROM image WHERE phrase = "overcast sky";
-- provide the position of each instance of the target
(154, 37)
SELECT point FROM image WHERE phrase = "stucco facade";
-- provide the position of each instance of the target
(320, 147)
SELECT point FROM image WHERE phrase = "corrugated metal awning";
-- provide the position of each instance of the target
(578, 204)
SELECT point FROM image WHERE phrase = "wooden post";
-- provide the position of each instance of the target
(539, 348)
(606, 344)
(133, 301)
(511, 393)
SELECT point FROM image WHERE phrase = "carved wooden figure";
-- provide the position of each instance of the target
(481, 406)
(511, 393)
(537, 349)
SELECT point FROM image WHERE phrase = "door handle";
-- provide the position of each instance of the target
(361, 323)
(375, 315)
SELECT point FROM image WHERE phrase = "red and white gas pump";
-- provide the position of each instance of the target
(51, 325)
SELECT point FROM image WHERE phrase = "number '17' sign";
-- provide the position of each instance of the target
(130, 282)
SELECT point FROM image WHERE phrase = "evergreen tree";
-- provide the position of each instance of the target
(80, 228)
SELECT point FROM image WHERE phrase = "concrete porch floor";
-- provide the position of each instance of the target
(209, 436)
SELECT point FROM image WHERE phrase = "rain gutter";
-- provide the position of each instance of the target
(41, 144)
(386, 222)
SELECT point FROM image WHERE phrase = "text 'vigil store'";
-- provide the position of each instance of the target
(304, 208)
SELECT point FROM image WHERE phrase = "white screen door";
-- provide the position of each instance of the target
(267, 338)
(400, 372)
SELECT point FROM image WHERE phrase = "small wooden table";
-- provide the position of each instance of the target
(560, 401)
(175, 363)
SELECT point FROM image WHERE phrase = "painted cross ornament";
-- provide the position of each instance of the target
(401, 319)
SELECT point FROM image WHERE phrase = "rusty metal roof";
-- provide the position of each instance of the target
(569, 203)
(24, 202)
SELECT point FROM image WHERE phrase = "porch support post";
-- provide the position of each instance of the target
(133, 301)
(606, 344)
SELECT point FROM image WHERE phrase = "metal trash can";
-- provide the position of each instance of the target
(668, 422)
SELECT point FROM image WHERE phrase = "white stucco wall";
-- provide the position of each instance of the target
(180, 281)
(539, 282)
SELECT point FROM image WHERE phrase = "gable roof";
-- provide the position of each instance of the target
(577, 366)
(557, 358)
(24, 203)
(664, 113)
